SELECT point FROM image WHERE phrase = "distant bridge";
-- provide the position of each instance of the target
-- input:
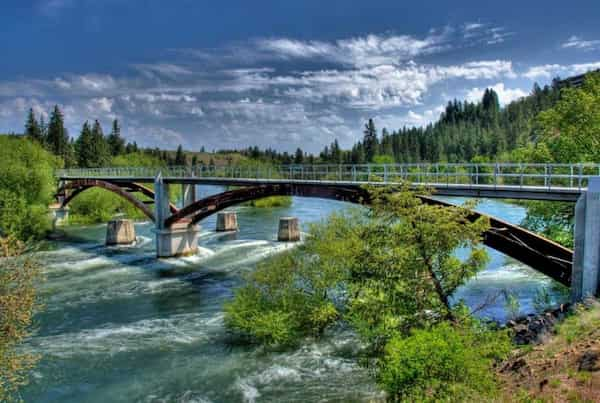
(177, 233)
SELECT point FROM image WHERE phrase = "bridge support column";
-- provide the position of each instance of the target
(289, 229)
(586, 260)
(189, 194)
(59, 215)
(181, 238)
(120, 232)
(227, 221)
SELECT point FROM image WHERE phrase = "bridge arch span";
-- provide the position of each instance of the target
(72, 189)
(540, 253)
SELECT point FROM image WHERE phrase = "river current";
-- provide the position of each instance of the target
(116, 328)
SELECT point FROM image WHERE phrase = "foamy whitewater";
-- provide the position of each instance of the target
(122, 326)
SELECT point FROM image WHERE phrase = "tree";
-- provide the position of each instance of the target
(100, 147)
(370, 140)
(33, 129)
(84, 147)
(115, 141)
(571, 128)
(180, 159)
(395, 265)
(299, 156)
(58, 138)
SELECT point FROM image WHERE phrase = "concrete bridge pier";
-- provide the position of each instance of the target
(189, 194)
(181, 238)
(585, 276)
(58, 214)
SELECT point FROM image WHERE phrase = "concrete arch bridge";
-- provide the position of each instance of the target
(177, 230)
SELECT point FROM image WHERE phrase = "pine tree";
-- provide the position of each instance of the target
(84, 147)
(115, 141)
(299, 156)
(57, 138)
(100, 147)
(32, 128)
(370, 141)
(180, 159)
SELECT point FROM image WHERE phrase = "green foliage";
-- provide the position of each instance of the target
(99, 205)
(116, 143)
(554, 220)
(26, 187)
(272, 201)
(137, 159)
(443, 363)
(385, 271)
(512, 305)
(571, 128)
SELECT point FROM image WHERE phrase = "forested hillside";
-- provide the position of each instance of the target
(465, 130)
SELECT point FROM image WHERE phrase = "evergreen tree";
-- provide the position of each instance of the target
(370, 141)
(57, 138)
(100, 147)
(115, 141)
(84, 147)
(32, 128)
(180, 159)
(299, 156)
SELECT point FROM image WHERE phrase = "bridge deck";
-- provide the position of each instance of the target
(502, 191)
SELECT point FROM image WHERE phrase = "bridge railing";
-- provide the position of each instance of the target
(491, 174)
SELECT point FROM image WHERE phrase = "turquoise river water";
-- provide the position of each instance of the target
(117, 329)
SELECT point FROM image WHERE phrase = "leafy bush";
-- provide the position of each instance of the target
(99, 205)
(272, 201)
(445, 362)
(26, 187)
(384, 271)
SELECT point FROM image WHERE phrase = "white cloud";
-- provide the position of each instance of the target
(409, 119)
(102, 105)
(552, 70)
(575, 42)
(162, 70)
(505, 95)
(368, 50)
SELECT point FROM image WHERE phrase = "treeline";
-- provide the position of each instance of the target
(465, 130)
(92, 148)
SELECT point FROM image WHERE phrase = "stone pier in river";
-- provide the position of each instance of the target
(227, 221)
(289, 229)
(120, 232)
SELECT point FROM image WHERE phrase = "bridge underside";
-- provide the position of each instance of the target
(527, 247)
(124, 189)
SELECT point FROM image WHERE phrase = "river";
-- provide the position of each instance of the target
(115, 328)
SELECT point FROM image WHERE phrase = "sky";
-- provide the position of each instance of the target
(282, 74)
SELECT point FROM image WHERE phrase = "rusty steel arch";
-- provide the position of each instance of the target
(540, 253)
(72, 189)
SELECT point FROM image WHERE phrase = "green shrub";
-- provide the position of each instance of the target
(99, 206)
(445, 362)
(272, 201)
(26, 187)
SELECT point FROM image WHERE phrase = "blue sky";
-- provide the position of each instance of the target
(284, 74)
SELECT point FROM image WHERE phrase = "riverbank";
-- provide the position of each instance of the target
(563, 366)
